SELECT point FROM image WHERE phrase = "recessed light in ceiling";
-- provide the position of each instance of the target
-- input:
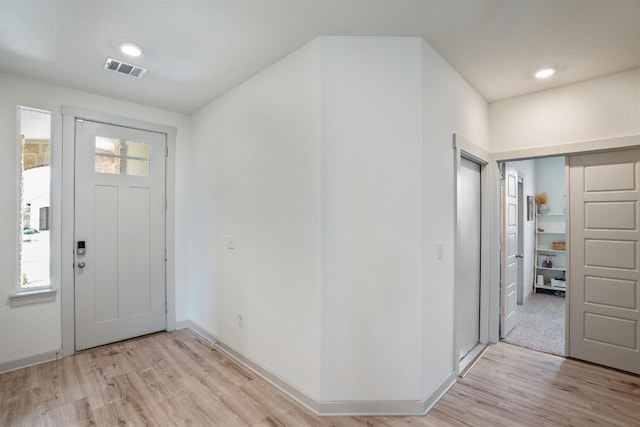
(545, 72)
(131, 49)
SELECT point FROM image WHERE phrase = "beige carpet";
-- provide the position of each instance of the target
(540, 324)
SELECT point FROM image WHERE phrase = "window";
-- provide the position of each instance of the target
(34, 246)
(116, 156)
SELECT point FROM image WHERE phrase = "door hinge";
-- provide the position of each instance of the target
(166, 151)
(165, 255)
(165, 203)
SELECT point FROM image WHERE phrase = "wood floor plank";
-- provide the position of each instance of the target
(161, 386)
(270, 397)
(184, 412)
(178, 379)
(250, 411)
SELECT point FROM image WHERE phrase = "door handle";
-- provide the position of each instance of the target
(81, 264)
(519, 256)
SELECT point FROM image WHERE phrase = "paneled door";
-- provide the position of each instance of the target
(604, 297)
(119, 233)
(509, 262)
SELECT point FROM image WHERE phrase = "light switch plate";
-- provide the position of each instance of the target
(230, 242)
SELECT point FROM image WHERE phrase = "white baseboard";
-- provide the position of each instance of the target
(387, 407)
(28, 361)
(334, 408)
(183, 324)
(300, 396)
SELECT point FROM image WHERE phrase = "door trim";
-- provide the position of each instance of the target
(489, 244)
(69, 116)
(582, 147)
(521, 206)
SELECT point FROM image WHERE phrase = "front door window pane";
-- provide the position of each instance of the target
(138, 149)
(108, 146)
(121, 157)
(106, 164)
(137, 167)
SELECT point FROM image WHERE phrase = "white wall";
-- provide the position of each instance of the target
(255, 161)
(450, 105)
(372, 273)
(333, 172)
(551, 179)
(34, 330)
(601, 108)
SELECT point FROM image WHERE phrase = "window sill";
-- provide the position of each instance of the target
(32, 297)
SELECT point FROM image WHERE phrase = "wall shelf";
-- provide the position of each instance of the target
(554, 226)
(551, 268)
(552, 288)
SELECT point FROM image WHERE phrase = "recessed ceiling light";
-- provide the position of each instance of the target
(545, 72)
(131, 49)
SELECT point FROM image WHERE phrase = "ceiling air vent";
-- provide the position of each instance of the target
(124, 68)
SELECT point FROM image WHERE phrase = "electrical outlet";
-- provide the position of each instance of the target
(241, 320)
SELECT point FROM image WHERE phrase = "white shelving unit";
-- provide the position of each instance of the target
(551, 263)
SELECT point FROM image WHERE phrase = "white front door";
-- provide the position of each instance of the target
(509, 270)
(468, 276)
(604, 267)
(119, 233)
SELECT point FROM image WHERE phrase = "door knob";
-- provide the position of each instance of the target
(81, 264)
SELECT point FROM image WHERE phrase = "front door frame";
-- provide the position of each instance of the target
(69, 116)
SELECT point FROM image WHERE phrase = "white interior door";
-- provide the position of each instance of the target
(119, 222)
(604, 295)
(509, 262)
(468, 276)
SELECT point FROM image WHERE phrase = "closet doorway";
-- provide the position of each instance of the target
(472, 302)
(542, 218)
(468, 281)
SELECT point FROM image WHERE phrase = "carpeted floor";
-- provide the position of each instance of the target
(540, 324)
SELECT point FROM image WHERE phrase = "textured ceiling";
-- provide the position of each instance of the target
(197, 50)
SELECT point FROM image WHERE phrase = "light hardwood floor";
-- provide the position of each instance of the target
(179, 379)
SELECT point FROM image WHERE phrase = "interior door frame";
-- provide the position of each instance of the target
(489, 246)
(583, 147)
(521, 221)
(69, 116)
